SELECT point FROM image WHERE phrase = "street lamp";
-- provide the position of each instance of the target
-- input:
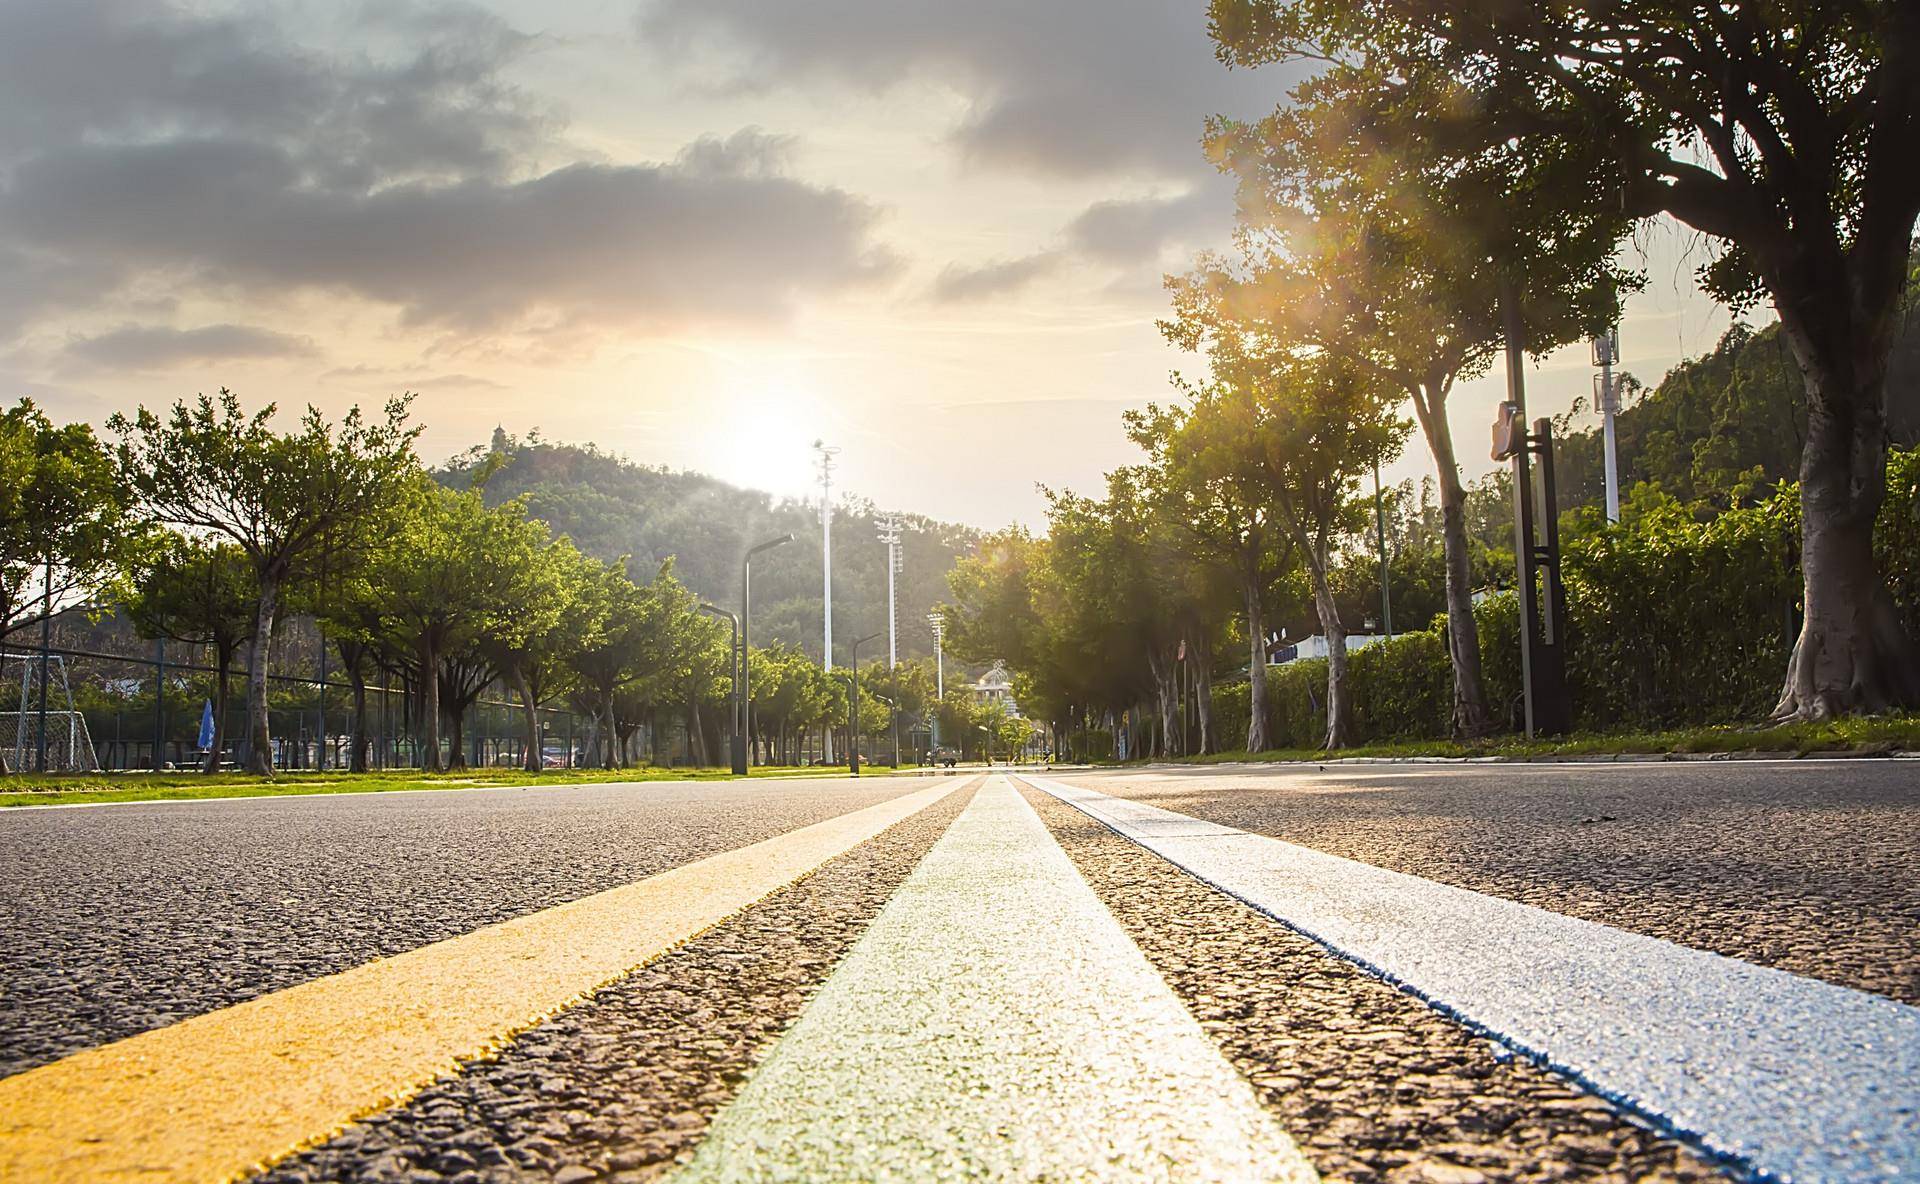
(853, 702)
(736, 662)
(893, 725)
(743, 702)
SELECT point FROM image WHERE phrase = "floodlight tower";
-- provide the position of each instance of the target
(1606, 355)
(938, 623)
(890, 535)
(825, 459)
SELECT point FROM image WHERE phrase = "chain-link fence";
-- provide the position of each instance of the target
(110, 710)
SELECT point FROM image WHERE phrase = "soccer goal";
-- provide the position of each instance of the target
(69, 744)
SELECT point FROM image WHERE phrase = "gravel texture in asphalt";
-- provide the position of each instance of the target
(619, 1087)
(1804, 866)
(118, 919)
(1374, 1085)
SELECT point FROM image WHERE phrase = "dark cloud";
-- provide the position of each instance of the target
(143, 143)
(1128, 232)
(422, 97)
(1068, 87)
(961, 285)
(141, 346)
(715, 235)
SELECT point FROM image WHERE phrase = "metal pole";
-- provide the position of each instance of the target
(827, 454)
(160, 703)
(746, 617)
(46, 655)
(1522, 497)
(1607, 347)
(1380, 528)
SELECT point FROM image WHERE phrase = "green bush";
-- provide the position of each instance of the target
(1673, 622)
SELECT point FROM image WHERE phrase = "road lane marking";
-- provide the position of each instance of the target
(1793, 1078)
(216, 1096)
(995, 1022)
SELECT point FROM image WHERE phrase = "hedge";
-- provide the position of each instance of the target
(1673, 622)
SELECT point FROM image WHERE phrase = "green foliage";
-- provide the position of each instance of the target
(61, 504)
(613, 508)
(1674, 622)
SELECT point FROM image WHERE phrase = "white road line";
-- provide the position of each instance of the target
(995, 1023)
(1796, 1079)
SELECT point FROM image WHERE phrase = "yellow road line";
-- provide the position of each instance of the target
(220, 1095)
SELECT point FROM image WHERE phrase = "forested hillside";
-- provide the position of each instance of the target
(1720, 429)
(613, 507)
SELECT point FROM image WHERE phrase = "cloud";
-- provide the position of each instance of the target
(144, 146)
(143, 346)
(960, 285)
(1065, 88)
(422, 97)
(1132, 237)
(1128, 232)
(713, 236)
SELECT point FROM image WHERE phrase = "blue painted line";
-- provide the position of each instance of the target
(1787, 1078)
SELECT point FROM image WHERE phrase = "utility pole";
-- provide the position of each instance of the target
(1380, 527)
(1606, 355)
(890, 535)
(826, 459)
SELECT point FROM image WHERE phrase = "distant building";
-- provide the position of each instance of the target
(1316, 647)
(995, 687)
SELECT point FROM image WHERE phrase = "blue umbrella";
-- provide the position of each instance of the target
(206, 725)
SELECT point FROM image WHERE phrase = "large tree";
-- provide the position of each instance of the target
(64, 525)
(1364, 236)
(1781, 129)
(461, 578)
(281, 497)
(200, 592)
(1210, 475)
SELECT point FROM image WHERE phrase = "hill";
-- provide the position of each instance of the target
(613, 507)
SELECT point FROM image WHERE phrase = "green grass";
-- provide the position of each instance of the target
(1874, 735)
(55, 788)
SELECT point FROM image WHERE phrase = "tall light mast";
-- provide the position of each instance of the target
(890, 535)
(1606, 355)
(938, 623)
(826, 454)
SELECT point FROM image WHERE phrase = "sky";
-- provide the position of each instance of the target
(697, 233)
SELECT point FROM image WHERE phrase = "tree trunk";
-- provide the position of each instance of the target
(259, 650)
(456, 734)
(535, 759)
(1257, 666)
(1203, 690)
(1853, 653)
(222, 688)
(613, 754)
(1339, 710)
(357, 757)
(1471, 719)
(429, 707)
(696, 735)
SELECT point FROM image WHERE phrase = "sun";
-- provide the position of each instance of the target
(763, 429)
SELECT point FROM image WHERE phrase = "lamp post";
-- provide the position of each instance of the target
(745, 703)
(853, 703)
(737, 661)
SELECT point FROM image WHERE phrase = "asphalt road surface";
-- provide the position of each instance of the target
(1449, 973)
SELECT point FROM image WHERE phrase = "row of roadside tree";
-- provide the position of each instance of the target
(209, 525)
(1452, 182)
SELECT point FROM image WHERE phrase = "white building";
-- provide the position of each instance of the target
(995, 687)
(1316, 647)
